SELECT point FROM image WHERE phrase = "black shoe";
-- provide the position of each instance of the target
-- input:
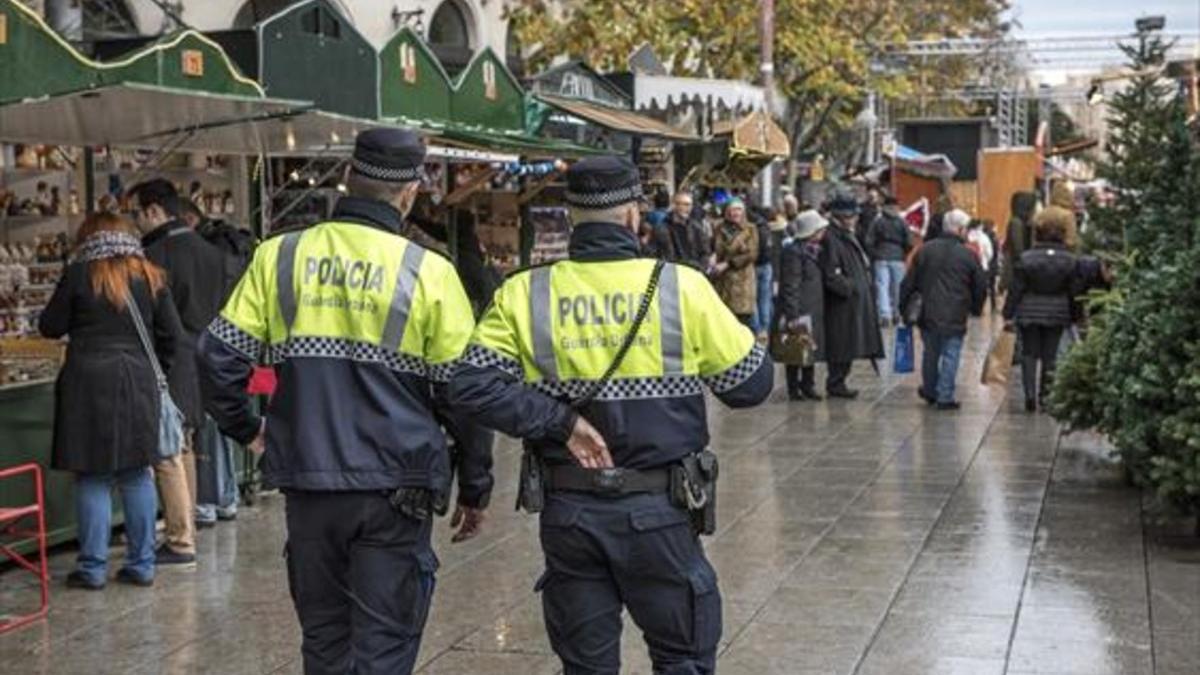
(949, 405)
(843, 392)
(80, 580)
(205, 524)
(929, 400)
(812, 394)
(795, 396)
(128, 576)
(226, 517)
(165, 556)
(1030, 405)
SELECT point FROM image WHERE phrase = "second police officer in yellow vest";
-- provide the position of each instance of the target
(617, 465)
(364, 328)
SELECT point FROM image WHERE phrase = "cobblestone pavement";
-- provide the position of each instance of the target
(875, 536)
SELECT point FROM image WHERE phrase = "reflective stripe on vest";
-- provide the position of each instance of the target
(539, 312)
(398, 310)
(670, 322)
(402, 297)
(285, 268)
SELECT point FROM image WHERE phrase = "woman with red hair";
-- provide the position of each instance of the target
(107, 399)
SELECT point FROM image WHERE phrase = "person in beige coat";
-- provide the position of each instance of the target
(735, 247)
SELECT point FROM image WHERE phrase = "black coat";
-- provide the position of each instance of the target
(106, 400)
(1045, 282)
(196, 274)
(802, 288)
(851, 319)
(951, 282)
(888, 238)
(689, 241)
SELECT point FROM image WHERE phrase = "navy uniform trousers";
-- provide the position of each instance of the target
(635, 551)
(361, 576)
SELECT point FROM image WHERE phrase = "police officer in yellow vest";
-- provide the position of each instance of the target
(617, 465)
(364, 328)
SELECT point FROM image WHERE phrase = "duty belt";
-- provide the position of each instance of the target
(615, 481)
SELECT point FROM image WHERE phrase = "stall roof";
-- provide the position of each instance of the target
(661, 91)
(130, 115)
(528, 146)
(755, 133)
(625, 121)
(35, 61)
(298, 132)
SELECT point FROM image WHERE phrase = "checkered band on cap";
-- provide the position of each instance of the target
(606, 199)
(392, 175)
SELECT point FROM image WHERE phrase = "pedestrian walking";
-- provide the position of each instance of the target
(764, 273)
(735, 250)
(802, 300)
(851, 320)
(1045, 281)
(106, 399)
(1019, 237)
(689, 236)
(953, 287)
(888, 242)
(365, 327)
(609, 402)
(196, 273)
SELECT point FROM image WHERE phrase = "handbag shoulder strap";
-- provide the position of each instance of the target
(144, 336)
(638, 318)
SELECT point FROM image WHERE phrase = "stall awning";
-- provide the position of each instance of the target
(128, 115)
(661, 91)
(526, 146)
(625, 121)
(916, 162)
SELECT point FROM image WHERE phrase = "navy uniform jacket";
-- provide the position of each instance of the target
(553, 330)
(365, 328)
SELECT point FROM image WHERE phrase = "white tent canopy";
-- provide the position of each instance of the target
(661, 92)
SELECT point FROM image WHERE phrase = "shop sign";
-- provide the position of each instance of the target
(408, 63)
(193, 62)
(489, 81)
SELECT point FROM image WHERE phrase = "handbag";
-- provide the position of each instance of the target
(170, 419)
(793, 347)
(904, 356)
(999, 361)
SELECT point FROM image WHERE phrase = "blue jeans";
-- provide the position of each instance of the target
(93, 505)
(939, 364)
(216, 477)
(765, 277)
(888, 275)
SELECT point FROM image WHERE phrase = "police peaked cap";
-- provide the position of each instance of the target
(603, 182)
(392, 155)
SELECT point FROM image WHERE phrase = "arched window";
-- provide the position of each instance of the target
(254, 11)
(450, 35)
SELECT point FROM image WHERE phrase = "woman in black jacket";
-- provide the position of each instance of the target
(106, 399)
(1044, 285)
(802, 298)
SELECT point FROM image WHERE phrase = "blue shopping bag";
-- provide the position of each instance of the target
(903, 355)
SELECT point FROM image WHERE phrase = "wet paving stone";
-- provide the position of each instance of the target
(861, 537)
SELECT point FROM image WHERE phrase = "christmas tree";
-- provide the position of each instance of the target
(1136, 375)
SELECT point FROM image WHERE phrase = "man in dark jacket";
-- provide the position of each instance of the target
(952, 285)
(194, 273)
(1019, 237)
(687, 232)
(851, 323)
(888, 243)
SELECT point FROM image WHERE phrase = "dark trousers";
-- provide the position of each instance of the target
(800, 378)
(361, 576)
(638, 552)
(1039, 343)
(838, 372)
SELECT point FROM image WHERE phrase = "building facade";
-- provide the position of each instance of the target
(455, 28)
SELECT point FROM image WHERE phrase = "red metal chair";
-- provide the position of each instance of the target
(10, 518)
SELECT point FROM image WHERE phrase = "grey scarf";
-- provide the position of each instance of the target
(108, 244)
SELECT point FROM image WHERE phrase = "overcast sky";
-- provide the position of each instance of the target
(1074, 17)
(1064, 18)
